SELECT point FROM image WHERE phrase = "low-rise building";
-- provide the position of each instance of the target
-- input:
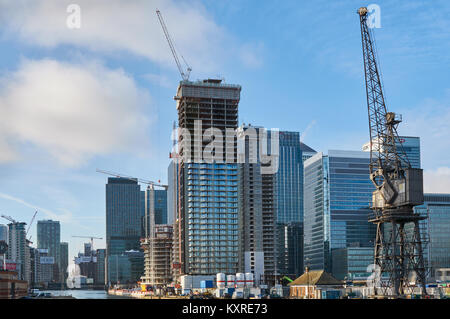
(11, 287)
(316, 284)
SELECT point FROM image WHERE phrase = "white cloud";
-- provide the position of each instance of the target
(437, 181)
(7, 154)
(306, 131)
(125, 26)
(73, 111)
(158, 79)
(430, 121)
(65, 217)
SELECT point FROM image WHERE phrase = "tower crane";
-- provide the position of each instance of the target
(150, 189)
(184, 75)
(91, 238)
(398, 187)
(139, 180)
(10, 219)
(29, 226)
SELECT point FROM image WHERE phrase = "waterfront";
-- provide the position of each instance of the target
(85, 294)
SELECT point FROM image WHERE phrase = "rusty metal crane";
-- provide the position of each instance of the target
(399, 187)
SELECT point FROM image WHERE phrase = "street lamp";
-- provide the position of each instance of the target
(307, 276)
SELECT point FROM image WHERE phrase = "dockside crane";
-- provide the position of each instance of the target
(184, 74)
(398, 187)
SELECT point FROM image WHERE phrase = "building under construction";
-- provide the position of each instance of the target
(158, 257)
(207, 224)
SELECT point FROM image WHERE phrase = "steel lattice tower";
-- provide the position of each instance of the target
(398, 251)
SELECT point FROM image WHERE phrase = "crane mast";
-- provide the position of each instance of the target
(91, 238)
(398, 187)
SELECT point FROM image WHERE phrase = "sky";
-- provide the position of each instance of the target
(101, 96)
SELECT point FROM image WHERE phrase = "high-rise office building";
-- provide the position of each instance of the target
(4, 233)
(307, 152)
(408, 145)
(155, 208)
(351, 263)
(435, 229)
(126, 268)
(49, 237)
(63, 260)
(206, 238)
(18, 251)
(338, 194)
(160, 206)
(123, 217)
(46, 267)
(100, 279)
(257, 204)
(289, 216)
(34, 266)
(172, 192)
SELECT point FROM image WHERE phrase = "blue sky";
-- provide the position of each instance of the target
(73, 100)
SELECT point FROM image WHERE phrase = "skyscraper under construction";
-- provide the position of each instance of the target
(206, 232)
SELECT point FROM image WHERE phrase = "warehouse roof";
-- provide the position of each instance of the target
(315, 278)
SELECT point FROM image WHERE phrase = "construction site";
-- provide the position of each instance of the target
(399, 268)
(225, 228)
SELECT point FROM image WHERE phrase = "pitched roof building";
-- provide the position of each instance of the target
(312, 284)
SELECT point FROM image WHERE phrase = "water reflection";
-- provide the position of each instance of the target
(85, 294)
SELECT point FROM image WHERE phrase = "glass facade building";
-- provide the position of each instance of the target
(338, 194)
(126, 268)
(307, 152)
(100, 273)
(160, 206)
(157, 198)
(206, 234)
(290, 179)
(289, 216)
(4, 233)
(172, 192)
(64, 260)
(123, 217)
(212, 202)
(436, 230)
(49, 237)
(351, 263)
(410, 145)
